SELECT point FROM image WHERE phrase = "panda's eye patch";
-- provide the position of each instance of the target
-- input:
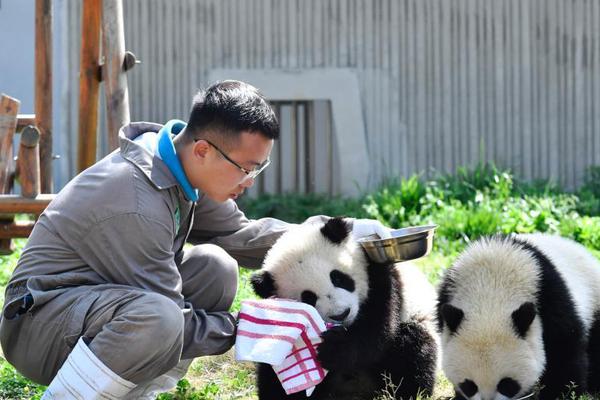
(309, 297)
(468, 387)
(341, 280)
(508, 387)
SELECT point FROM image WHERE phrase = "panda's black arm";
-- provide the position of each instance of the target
(368, 340)
(360, 346)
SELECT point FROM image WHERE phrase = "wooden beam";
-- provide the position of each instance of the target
(115, 79)
(28, 162)
(15, 204)
(16, 229)
(43, 88)
(89, 82)
(9, 108)
(24, 120)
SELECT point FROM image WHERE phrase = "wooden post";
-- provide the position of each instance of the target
(9, 108)
(28, 162)
(12, 204)
(24, 120)
(43, 88)
(89, 82)
(115, 79)
(15, 229)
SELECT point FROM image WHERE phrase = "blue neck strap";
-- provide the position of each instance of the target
(167, 152)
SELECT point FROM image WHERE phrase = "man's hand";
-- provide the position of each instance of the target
(366, 227)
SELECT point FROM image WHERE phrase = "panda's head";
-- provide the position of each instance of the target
(318, 264)
(492, 342)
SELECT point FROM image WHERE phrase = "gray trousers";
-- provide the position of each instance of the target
(138, 334)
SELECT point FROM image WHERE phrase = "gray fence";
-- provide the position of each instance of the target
(443, 83)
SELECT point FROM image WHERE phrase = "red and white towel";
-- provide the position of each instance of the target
(285, 334)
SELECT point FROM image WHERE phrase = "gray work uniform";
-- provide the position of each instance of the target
(105, 262)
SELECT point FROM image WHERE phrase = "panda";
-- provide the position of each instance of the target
(520, 315)
(385, 314)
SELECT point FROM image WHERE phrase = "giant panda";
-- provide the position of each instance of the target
(520, 315)
(385, 312)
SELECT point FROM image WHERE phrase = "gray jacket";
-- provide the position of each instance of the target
(116, 222)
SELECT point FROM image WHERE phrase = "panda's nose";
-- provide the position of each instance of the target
(340, 317)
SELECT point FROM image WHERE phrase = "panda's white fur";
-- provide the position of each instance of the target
(308, 262)
(387, 311)
(489, 281)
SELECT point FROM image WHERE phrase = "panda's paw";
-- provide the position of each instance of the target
(334, 350)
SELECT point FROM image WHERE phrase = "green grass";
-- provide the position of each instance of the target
(465, 205)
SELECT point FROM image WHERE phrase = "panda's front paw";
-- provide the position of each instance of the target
(333, 352)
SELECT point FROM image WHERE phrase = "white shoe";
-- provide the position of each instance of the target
(167, 381)
(84, 376)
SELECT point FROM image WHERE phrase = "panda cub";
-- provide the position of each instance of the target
(520, 314)
(385, 314)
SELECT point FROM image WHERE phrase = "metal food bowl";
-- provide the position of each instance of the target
(405, 244)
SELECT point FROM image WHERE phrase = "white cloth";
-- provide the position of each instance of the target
(83, 376)
(365, 227)
(285, 334)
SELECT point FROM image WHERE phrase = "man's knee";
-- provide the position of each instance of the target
(161, 318)
(152, 327)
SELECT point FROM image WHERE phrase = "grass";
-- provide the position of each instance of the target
(466, 205)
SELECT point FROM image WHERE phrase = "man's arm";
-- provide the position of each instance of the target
(225, 225)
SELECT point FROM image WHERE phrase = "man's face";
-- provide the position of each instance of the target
(219, 178)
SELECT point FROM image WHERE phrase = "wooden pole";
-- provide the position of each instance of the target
(15, 229)
(9, 108)
(12, 204)
(115, 79)
(23, 120)
(28, 162)
(43, 88)
(89, 82)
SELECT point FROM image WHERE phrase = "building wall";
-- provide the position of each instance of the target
(442, 83)
(16, 51)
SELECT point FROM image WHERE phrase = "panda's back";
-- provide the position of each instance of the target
(577, 267)
(419, 296)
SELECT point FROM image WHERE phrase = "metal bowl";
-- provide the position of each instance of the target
(405, 244)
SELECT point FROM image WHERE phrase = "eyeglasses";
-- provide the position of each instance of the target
(250, 173)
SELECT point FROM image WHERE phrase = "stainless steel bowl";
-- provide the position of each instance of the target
(404, 245)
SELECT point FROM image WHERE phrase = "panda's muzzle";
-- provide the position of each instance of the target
(340, 317)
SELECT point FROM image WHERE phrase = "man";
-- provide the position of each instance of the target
(104, 301)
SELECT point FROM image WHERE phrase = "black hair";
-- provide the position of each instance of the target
(230, 107)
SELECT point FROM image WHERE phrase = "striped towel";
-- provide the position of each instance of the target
(285, 334)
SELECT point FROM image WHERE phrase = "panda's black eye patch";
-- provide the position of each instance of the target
(508, 387)
(341, 280)
(468, 387)
(309, 297)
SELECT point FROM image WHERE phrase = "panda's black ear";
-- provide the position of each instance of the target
(263, 284)
(522, 318)
(452, 316)
(336, 229)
